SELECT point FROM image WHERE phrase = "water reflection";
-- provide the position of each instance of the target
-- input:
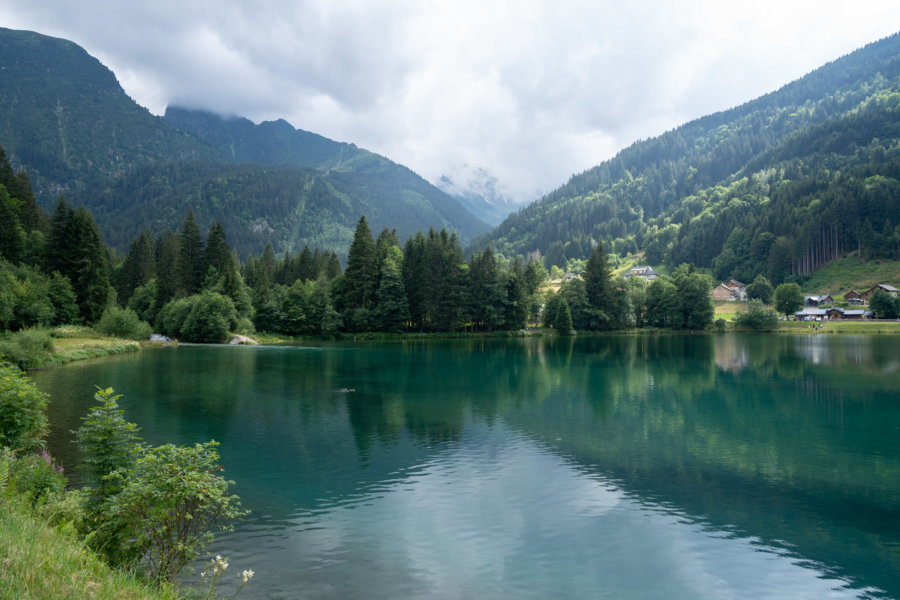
(635, 466)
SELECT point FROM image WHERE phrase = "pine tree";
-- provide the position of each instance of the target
(91, 281)
(516, 305)
(32, 216)
(598, 279)
(138, 268)
(166, 265)
(360, 275)
(392, 309)
(190, 270)
(414, 278)
(58, 254)
(12, 236)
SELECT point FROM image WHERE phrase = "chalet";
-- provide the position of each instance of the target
(646, 272)
(741, 288)
(867, 295)
(569, 276)
(853, 297)
(732, 290)
(810, 314)
(842, 314)
(819, 300)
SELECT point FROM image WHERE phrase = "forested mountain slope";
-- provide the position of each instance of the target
(66, 120)
(779, 185)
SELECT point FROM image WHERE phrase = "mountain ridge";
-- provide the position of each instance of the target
(65, 119)
(673, 195)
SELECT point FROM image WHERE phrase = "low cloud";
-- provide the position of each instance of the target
(531, 91)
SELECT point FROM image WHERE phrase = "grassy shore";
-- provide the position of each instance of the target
(77, 343)
(40, 563)
(856, 327)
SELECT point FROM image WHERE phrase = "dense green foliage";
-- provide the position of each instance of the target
(22, 420)
(122, 323)
(788, 298)
(884, 305)
(69, 123)
(153, 508)
(778, 186)
(757, 317)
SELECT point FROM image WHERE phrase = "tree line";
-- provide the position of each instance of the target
(57, 270)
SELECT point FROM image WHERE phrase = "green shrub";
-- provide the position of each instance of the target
(28, 348)
(170, 503)
(756, 318)
(171, 318)
(107, 442)
(22, 419)
(212, 315)
(35, 478)
(123, 323)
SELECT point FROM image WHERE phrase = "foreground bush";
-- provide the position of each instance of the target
(28, 348)
(170, 503)
(153, 507)
(122, 323)
(22, 420)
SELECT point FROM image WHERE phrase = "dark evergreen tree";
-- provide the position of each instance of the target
(516, 301)
(190, 269)
(32, 216)
(138, 268)
(564, 318)
(58, 255)
(167, 246)
(392, 309)
(486, 293)
(414, 274)
(361, 276)
(12, 236)
(598, 286)
(91, 281)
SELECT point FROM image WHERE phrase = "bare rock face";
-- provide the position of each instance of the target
(242, 340)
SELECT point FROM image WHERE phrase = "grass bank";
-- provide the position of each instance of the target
(41, 347)
(858, 327)
(77, 343)
(38, 562)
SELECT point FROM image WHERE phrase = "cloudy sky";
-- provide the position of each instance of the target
(530, 90)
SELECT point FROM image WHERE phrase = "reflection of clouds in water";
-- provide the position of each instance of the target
(499, 516)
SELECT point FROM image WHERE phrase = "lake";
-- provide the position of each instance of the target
(650, 466)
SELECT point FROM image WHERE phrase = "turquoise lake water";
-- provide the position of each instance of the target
(595, 467)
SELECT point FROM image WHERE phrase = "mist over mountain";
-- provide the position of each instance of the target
(479, 191)
(69, 124)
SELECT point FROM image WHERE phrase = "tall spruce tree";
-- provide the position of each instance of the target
(392, 309)
(361, 276)
(138, 268)
(598, 279)
(91, 280)
(190, 270)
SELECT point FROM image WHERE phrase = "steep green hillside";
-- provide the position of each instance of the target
(64, 117)
(66, 120)
(287, 206)
(780, 185)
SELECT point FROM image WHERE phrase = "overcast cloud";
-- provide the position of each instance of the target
(530, 90)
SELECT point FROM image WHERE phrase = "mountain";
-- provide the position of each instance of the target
(65, 119)
(780, 185)
(478, 190)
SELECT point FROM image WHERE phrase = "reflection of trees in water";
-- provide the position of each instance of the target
(793, 446)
